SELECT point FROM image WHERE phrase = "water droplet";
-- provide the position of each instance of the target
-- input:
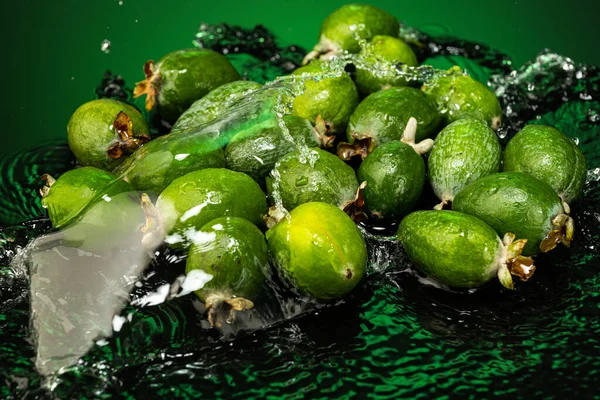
(105, 46)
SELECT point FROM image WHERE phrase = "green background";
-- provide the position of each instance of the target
(53, 60)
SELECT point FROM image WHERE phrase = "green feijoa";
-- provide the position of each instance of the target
(255, 151)
(318, 251)
(66, 197)
(213, 104)
(102, 132)
(462, 251)
(382, 117)
(197, 198)
(312, 176)
(343, 28)
(333, 98)
(227, 260)
(154, 166)
(463, 152)
(519, 203)
(395, 175)
(460, 96)
(378, 59)
(180, 78)
(548, 154)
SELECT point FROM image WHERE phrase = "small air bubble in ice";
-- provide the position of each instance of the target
(105, 47)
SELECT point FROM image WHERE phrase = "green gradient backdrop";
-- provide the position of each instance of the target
(53, 60)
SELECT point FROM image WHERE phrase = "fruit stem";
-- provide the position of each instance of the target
(322, 130)
(127, 142)
(355, 208)
(360, 147)
(148, 86)
(49, 182)
(410, 134)
(565, 229)
(274, 215)
(221, 308)
(515, 264)
(153, 229)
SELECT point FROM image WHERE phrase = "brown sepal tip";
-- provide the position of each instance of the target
(148, 86)
(152, 228)
(518, 265)
(223, 310)
(361, 147)
(564, 232)
(49, 181)
(274, 215)
(355, 208)
(126, 142)
(323, 130)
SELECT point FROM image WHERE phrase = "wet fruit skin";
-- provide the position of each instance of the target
(380, 50)
(90, 131)
(334, 99)
(255, 152)
(197, 198)
(318, 176)
(512, 202)
(78, 189)
(456, 249)
(184, 76)
(395, 175)
(459, 96)
(383, 116)
(154, 166)
(463, 152)
(549, 155)
(234, 252)
(318, 251)
(213, 104)
(340, 29)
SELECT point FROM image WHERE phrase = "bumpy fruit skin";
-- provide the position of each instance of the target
(512, 202)
(318, 251)
(213, 104)
(197, 198)
(549, 155)
(340, 29)
(395, 175)
(234, 252)
(255, 151)
(78, 189)
(318, 176)
(383, 53)
(155, 165)
(463, 152)
(90, 131)
(456, 249)
(383, 116)
(184, 76)
(334, 99)
(460, 96)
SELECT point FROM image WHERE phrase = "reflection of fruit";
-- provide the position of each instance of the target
(232, 254)
(318, 251)
(379, 59)
(197, 198)
(78, 189)
(460, 250)
(341, 29)
(102, 132)
(213, 104)
(180, 78)
(460, 96)
(333, 98)
(463, 152)
(549, 155)
(316, 175)
(521, 204)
